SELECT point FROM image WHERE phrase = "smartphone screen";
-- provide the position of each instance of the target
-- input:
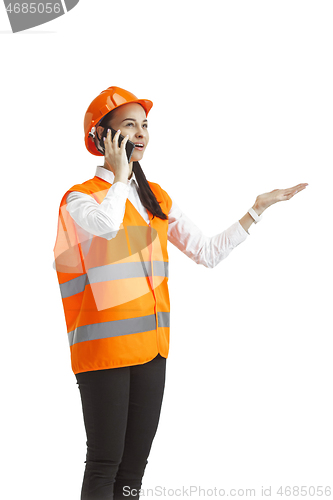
(130, 146)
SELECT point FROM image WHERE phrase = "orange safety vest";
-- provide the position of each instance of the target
(114, 292)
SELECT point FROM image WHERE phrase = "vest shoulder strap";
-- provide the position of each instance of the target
(161, 195)
(97, 184)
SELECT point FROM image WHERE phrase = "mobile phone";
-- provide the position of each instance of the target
(130, 146)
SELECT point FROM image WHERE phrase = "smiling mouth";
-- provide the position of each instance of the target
(139, 147)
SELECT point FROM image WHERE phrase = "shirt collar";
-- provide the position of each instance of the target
(108, 176)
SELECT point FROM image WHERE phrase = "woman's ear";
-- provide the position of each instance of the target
(99, 132)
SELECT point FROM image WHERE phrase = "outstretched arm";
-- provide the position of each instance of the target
(202, 249)
(210, 250)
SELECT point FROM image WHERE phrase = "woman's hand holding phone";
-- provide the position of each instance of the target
(115, 157)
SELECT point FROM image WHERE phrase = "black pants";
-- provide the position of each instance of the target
(121, 409)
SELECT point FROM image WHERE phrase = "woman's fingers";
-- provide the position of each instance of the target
(287, 194)
(123, 142)
(115, 141)
(116, 138)
(296, 189)
(265, 200)
(107, 139)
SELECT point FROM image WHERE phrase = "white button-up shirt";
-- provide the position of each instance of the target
(104, 219)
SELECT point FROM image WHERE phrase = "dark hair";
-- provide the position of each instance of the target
(146, 195)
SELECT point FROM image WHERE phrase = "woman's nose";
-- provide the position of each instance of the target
(140, 132)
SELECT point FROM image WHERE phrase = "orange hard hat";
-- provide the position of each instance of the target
(106, 101)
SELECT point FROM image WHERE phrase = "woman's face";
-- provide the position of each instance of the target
(131, 120)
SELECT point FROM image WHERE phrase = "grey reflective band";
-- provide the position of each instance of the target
(127, 270)
(74, 286)
(163, 318)
(117, 328)
(114, 272)
(161, 268)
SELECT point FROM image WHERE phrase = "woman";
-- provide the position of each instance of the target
(112, 265)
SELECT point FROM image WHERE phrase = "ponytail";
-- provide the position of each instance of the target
(147, 197)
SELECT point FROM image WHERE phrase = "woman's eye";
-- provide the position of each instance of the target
(131, 123)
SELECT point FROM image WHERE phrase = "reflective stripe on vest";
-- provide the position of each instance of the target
(113, 272)
(119, 327)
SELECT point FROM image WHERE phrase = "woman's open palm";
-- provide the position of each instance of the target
(265, 200)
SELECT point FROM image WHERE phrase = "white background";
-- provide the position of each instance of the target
(243, 104)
